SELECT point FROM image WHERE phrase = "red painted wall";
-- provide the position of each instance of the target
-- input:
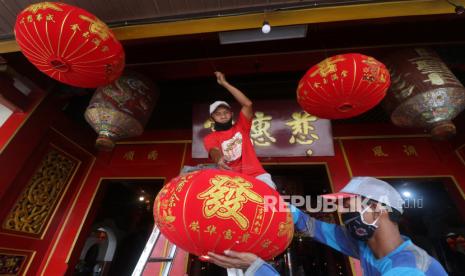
(60, 247)
(20, 158)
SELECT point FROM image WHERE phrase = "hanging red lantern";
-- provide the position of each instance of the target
(69, 44)
(343, 86)
(212, 211)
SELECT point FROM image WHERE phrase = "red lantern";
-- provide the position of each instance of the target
(343, 86)
(69, 44)
(212, 211)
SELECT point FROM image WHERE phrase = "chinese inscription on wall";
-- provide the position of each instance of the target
(279, 129)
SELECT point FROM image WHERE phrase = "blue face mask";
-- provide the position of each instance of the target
(357, 227)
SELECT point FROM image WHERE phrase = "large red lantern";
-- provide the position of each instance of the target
(212, 211)
(343, 86)
(69, 44)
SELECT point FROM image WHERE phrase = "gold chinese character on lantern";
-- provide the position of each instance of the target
(172, 200)
(129, 155)
(97, 27)
(211, 229)
(327, 66)
(378, 151)
(266, 243)
(34, 8)
(245, 237)
(261, 124)
(96, 41)
(75, 27)
(153, 155)
(410, 150)
(49, 17)
(164, 213)
(286, 228)
(194, 226)
(228, 234)
(226, 197)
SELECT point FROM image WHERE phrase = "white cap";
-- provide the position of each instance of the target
(216, 104)
(371, 188)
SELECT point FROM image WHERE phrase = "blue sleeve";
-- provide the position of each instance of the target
(330, 234)
(407, 271)
(261, 268)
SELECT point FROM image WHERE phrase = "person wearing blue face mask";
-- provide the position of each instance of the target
(370, 233)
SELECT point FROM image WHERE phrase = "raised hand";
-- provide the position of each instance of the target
(222, 164)
(220, 78)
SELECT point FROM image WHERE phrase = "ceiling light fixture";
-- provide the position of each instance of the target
(407, 194)
(255, 35)
(266, 28)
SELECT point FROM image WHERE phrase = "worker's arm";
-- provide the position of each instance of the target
(253, 265)
(218, 158)
(242, 99)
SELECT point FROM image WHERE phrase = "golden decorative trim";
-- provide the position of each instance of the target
(69, 214)
(29, 261)
(154, 142)
(8, 46)
(88, 209)
(335, 138)
(288, 17)
(75, 198)
(56, 203)
(22, 123)
(346, 159)
(279, 18)
(382, 136)
(65, 191)
(459, 155)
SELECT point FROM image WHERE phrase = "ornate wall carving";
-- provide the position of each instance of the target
(38, 201)
(11, 264)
